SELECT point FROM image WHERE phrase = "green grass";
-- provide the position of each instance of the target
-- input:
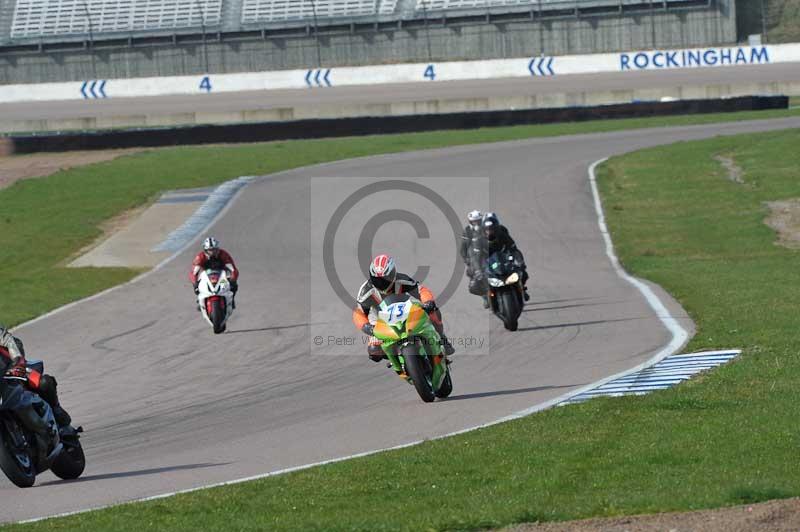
(44, 221)
(783, 21)
(781, 18)
(726, 438)
(729, 437)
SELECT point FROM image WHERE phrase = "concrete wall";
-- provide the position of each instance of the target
(695, 27)
(422, 107)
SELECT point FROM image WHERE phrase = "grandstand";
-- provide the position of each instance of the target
(44, 21)
(44, 40)
(38, 18)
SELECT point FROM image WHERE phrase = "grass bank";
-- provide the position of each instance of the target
(45, 221)
(725, 438)
(779, 18)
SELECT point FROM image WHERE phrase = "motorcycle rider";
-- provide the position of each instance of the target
(497, 238)
(470, 242)
(472, 246)
(385, 280)
(215, 258)
(12, 357)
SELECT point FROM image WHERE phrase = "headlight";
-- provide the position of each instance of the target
(513, 278)
(495, 282)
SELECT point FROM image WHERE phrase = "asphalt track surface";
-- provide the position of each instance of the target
(167, 405)
(404, 92)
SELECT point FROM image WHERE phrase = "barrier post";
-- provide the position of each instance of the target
(316, 33)
(427, 29)
(203, 30)
(91, 38)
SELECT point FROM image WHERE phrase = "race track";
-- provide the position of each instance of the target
(168, 406)
(402, 92)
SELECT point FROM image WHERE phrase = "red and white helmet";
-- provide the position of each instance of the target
(382, 272)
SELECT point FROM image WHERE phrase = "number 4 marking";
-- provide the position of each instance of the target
(206, 84)
(430, 73)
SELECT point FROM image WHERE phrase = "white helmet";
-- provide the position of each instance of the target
(210, 245)
(474, 217)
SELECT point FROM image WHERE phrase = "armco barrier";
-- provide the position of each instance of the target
(345, 127)
(323, 79)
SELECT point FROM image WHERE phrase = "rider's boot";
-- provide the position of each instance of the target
(448, 347)
(62, 417)
(525, 295)
(485, 301)
(48, 390)
(374, 350)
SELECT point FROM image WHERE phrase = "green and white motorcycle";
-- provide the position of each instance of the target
(413, 346)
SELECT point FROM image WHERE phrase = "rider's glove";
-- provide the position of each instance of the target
(367, 329)
(234, 286)
(429, 306)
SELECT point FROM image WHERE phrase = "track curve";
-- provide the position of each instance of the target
(168, 406)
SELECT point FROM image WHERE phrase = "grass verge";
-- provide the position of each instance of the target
(44, 221)
(725, 438)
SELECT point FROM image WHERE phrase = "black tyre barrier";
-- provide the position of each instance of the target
(357, 126)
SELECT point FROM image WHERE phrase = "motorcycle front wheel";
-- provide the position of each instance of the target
(217, 316)
(419, 370)
(509, 309)
(15, 461)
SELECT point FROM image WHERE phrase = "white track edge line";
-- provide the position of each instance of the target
(679, 338)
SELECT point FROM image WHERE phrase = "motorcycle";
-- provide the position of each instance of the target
(408, 336)
(215, 298)
(24, 451)
(504, 291)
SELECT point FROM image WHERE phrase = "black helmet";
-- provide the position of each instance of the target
(490, 224)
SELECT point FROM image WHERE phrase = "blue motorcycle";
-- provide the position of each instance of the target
(30, 440)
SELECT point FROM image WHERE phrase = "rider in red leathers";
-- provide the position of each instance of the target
(215, 258)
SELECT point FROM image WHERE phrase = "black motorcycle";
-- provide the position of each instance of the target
(502, 276)
(30, 440)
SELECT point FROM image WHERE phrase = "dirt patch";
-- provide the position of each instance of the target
(784, 218)
(734, 171)
(18, 167)
(777, 516)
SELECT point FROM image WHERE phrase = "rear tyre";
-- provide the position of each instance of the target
(446, 388)
(70, 463)
(217, 316)
(16, 463)
(419, 371)
(509, 309)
